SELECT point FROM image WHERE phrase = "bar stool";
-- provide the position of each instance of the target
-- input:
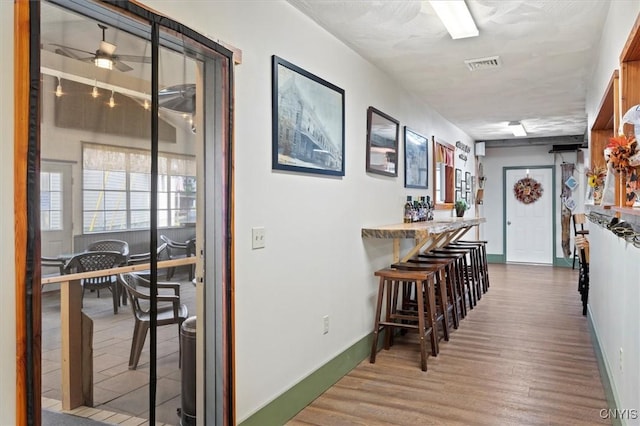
(444, 305)
(463, 269)
(422, 319)
(462, 284)
(471, 267)
(476, 253)
(483, 252)
(447, 268)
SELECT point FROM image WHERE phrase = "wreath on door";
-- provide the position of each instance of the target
(527, 190)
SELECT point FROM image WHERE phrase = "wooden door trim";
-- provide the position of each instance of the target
(27, 296)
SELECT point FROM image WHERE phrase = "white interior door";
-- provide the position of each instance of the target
(55, 209)
(529, 227)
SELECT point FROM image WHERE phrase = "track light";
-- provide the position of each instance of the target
(59, 89)
(146, 105)
(112, 103)
(94, 92)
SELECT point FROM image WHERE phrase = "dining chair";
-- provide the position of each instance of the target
(120, 246)
(96, 261)
(170, 309)
(177, 250)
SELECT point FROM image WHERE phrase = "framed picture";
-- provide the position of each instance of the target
(416, 153)
(469, 197)
(382, 143)
(458, 196)
(458, 178)
(467, 181)
(307, 121)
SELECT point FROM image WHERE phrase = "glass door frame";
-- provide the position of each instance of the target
(27, 159)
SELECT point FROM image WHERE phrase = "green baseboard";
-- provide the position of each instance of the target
(605, 375)
(564, 262)
(287, 405)
(496, 258)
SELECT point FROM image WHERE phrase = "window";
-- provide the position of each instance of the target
(443, 171)
(117, 189)
(51, 201)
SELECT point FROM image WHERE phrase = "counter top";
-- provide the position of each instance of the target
(420, 229)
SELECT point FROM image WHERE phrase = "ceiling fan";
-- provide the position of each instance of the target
(104, 57)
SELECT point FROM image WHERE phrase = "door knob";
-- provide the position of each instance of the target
(508, 222)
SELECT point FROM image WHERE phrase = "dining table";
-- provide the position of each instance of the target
(425, 236)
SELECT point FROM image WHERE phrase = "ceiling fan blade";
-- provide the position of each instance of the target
(69, 48)
(121, 66)
(134, 58)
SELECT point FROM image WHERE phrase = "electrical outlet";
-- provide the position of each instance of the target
(325, 322)
(258, 237)
(620, 364)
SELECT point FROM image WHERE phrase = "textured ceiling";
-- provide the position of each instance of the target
(546, 49)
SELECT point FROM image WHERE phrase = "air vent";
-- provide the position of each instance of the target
(483, 63)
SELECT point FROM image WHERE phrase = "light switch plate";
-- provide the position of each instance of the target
(257, 237)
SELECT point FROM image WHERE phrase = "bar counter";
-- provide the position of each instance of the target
(427, 235)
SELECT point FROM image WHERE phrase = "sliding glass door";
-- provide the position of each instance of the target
(137, 108)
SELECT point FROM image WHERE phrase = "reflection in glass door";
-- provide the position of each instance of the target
(142, 157)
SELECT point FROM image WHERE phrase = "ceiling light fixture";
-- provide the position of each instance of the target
(59, 89)
(103, 62)
(94, 92)
(456, 17)
(112, 103)
(517, 129)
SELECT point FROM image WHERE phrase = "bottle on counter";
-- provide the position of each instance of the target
(416, 210)
(422, 215)
(408, 210)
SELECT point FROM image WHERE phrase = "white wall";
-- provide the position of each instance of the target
(614, 297)
(315, 263)
(7, 259)
(494, 162)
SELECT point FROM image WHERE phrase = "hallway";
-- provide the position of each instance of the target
(522, 356)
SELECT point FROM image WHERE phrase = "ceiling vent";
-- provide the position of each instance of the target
(483, 63)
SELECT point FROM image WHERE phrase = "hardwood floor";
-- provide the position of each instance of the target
(523, 356)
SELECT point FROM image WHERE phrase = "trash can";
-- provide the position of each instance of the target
(187, 411)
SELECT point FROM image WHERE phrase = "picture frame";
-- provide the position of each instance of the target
(458, 178)
(416, 160)
(382, 143)
(307, 121)
(458, 196)
(467, 181)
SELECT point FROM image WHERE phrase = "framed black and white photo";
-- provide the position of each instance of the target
(467, 181)
(382, 143)
(458, 179)
(307, 121)
(416, 153)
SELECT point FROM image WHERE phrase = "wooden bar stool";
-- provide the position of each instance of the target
(446, 266)
(483, 264)
(464, 289)
(422, 319)
(476, 254)
(471, 267)
(444, 304)
(463, 270)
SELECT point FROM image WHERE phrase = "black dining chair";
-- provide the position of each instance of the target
(120, 246)
(97, 261)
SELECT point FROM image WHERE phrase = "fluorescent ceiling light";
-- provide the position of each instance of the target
(456, 17)
(517, 129)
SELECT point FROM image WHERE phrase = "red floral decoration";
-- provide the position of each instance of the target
(527, 190)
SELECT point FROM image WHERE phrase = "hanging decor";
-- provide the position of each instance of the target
(527, 190)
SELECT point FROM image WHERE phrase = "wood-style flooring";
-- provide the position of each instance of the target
(523, 356)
